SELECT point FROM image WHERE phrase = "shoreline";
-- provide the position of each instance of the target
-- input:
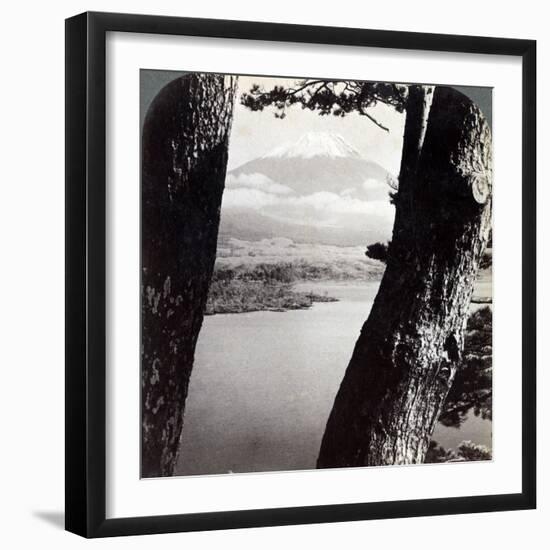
(238, 295)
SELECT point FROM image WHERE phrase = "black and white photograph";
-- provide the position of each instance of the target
(316, 273)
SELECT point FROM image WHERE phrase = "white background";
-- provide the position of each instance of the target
(31, 241)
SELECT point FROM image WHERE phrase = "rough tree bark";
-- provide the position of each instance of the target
(184, 158)
(410, 346)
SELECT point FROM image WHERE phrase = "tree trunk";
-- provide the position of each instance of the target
(184, 158)
(410, 346)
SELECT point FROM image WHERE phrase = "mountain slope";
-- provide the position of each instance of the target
(249, 225)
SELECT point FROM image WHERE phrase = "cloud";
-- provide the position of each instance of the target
(323, 208)
(257, 181)
(371, 183)
(248, 198)
(331, 203)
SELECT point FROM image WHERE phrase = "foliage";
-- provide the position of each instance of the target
(486, 259)
(436, 453)
(378, 251)
(472, 387)
(471, 451)
(465, 452)
(336, 97)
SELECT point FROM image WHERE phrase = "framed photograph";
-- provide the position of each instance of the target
(300, 274)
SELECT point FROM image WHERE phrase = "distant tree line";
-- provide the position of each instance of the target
(289, 272)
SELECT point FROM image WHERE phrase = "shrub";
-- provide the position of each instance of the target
(377, 251)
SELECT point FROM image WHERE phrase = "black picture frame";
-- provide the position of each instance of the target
(86, 274)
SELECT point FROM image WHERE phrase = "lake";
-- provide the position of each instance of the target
(264, 383)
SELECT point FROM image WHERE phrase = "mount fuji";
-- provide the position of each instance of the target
(317, 189)
(320, 162)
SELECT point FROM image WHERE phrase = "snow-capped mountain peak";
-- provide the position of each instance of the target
(315, 144)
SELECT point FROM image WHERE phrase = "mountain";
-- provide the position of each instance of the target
(316, 189)
(320, 162)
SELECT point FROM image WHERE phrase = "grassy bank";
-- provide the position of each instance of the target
(240, 297)
(262, 287)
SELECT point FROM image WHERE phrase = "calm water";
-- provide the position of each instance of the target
(264, 383)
